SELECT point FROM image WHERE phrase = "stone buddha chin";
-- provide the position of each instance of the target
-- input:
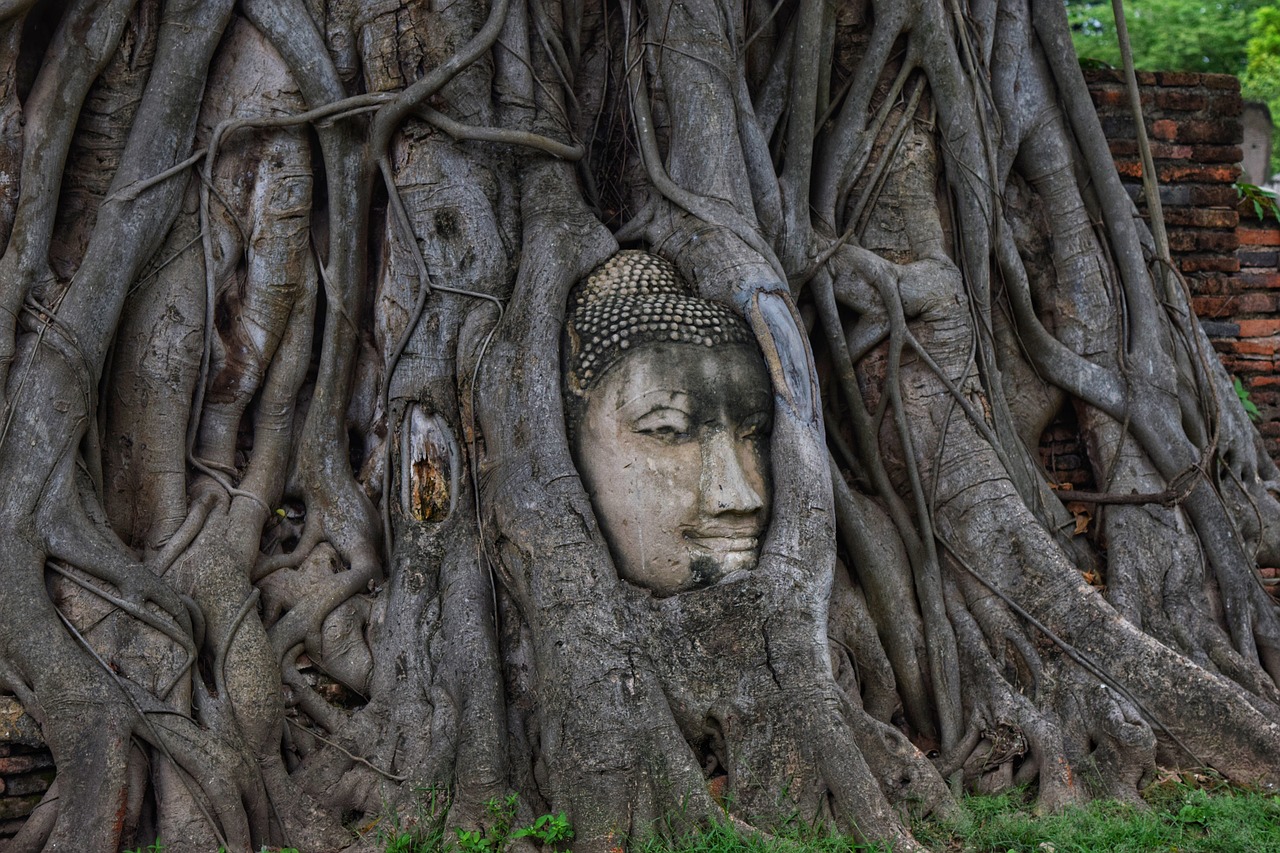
(669, 411)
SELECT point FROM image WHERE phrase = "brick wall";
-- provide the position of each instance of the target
(26, 768)
(1228, 257)
(1242, 313)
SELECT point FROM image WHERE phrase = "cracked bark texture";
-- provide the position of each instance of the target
(292, 541)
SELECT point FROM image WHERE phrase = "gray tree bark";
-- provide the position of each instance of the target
(292, 541)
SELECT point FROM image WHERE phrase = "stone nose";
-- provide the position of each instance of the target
(729, 484)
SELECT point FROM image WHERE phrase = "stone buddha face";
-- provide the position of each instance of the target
(670, 434)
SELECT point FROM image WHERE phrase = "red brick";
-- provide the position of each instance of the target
(1181, 100)
(1213, 306)
(1264, 381)
(1217, 241)
(1261, 257)
(1243, 365)
(15, 807)
(1129, 168)
(1257, 346)
(1251, 279)
(16, 764)
(1178, 78)
(1258, 303)
(1208, 284)
(1200, 263)
(1165, 129)
(1146, 78)
(1219, 195)
(1219, 307)
(1228, 104)
(1182, 241)
(1109, 97)
(1221, 81)
(1249, 216)
(1202, 217)
(1102, 76)
(1169, 151)
(1262, 399)
(1215, 131)
(1216, 153)
(1202, 240)
(1123, 147)
(1259, 236)
(30, 783)
(1200, 173)
(1259, 328)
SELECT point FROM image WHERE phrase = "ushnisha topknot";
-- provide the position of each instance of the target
(633, 299)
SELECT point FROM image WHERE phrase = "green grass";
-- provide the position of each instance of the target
(1197, 815)
(795, 839)
(1177, 817)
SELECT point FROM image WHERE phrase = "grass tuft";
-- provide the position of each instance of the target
(1177, 816)
(795, 838)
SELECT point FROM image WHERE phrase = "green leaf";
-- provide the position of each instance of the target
(1250, 408)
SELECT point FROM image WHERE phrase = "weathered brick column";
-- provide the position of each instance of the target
(1228, 258)
(26, 768)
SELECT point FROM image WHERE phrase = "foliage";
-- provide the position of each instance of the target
(1168, 35)
(494, 837)
(1263, 200)
(1242, 392)
(1178, 816)
(549, 830)
(1241, 38)
(1261, 78)
(425, 832)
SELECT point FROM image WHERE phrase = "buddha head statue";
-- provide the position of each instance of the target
(669, 411)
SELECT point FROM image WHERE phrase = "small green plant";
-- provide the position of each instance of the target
(153, 847)
(424, 832)
(401, 841)
(548, 829)
(502, 814)
(1263, 200)
(1250, 408)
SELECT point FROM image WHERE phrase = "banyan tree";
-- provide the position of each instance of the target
(306, 517)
